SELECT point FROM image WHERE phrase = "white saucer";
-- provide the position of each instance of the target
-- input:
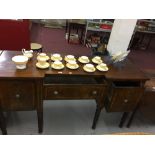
(96, 62)
(43, 67)
(71, 67)
(84, 62)
(89, 70)
(53, 59)
(58, 68)
(47, 57)
(67, 60)
(102, 69)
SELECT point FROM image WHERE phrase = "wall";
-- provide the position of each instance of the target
(14, 34)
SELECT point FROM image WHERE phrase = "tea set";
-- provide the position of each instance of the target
(56, 61)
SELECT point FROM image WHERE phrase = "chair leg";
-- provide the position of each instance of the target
(96, 117)
(69, 31)
(123, 119)
(3, 123)
(132, 117)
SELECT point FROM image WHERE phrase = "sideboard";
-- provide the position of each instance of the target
(118, 90)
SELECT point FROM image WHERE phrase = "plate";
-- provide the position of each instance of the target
(102, 69)
(47, 57)
(89, 70)
(96, 62)
(43, 67)
(84, 62)
(71, 67)
(53, 59)
(67, 60)
(58, 68)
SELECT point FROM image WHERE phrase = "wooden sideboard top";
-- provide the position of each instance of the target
(8, 70)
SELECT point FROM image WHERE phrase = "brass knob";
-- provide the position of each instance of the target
(17, 95)
(125, 101)
(94, 92)
(56, 93)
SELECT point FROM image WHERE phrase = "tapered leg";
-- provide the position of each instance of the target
(40, 121)
(3, 124)
(132, 116)
(123, 119)
(96, 117)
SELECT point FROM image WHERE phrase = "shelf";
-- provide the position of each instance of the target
(98, 29)
(90, 21)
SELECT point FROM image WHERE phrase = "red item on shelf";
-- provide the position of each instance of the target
(105, 26)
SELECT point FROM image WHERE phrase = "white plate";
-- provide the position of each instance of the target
(84, 62)
(102, 69)
(58, 68)
(89, 70)
(96, 62)
(47, 57)
(53, 59)
(71, 67)
(43, 67)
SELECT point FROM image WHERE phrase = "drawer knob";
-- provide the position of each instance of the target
(94, 92)
(56, 93)
(17, 96)
(125, 101)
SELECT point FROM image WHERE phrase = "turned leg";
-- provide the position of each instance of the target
(123, 119)
(40, 121)
(3, 124)
(96, 117)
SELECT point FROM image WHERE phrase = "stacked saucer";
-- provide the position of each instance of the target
(56, 57)
(42, 61)
(58, 65)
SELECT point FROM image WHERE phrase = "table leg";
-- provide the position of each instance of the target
(123, 119)
(132, 116)
(96, 117)
(3, 124)
(40, 121)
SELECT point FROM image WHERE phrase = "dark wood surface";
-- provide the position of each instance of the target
(8, 69)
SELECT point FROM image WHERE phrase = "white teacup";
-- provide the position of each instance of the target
(57, 63)
(84, 58)
(42, 61)
(56, 56)
(70, 57)
(72, 63)
(42, 55)
(102, 65)
(89, 66)
(97, 58)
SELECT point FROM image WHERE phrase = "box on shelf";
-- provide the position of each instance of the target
(74, 38)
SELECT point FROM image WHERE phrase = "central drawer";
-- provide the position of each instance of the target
(76, 91)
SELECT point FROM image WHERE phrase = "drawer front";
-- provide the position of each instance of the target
(123, 99)
(73, 91)
(17, 95)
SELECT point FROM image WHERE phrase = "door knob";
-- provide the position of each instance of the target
(56, 93)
